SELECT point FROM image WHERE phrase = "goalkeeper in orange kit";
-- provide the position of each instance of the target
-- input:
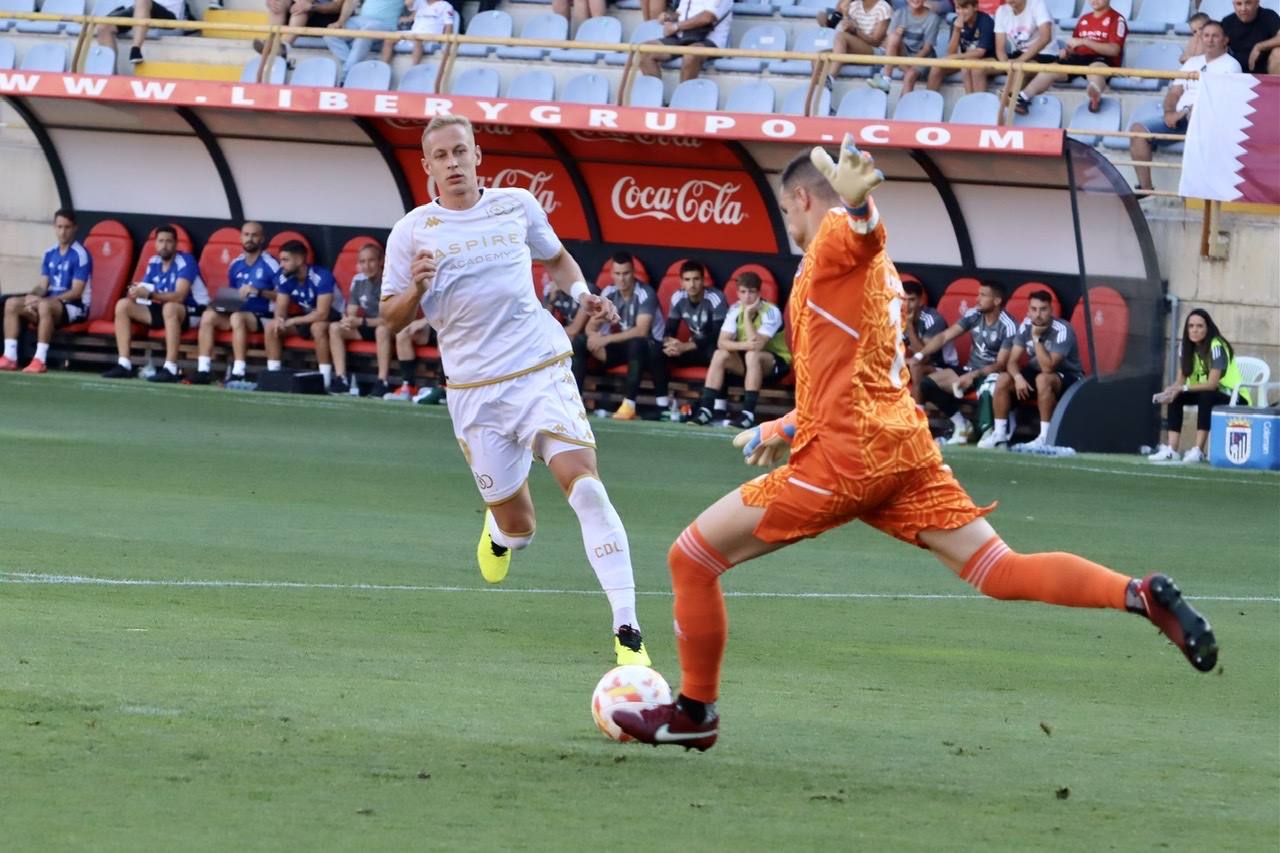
(859, 449)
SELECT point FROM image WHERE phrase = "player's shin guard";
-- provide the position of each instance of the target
(702, 625)
(605, 540)
(1054, 578)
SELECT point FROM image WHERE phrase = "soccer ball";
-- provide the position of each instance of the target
(630, 688)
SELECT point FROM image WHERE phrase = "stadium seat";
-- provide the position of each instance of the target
(477, 82)
(794, 102)
(420, 78)
(315, 71)
(601, 30)
(1255, 378)
(371, 74)
(1217, 9)
(284, 237)
(754, 9)
(537, 84)
(149, 249)
(1063, 12)
(588, 88)
(1159, 56)
(112, 249)
(1016, 305)
(345, 266)
(1045, 112)
(863, 102)
(52, 7)
(14, 6)
(250, 73)
(644, 31)
(671, 282)
(494, 23)
(762, 37)
(45, 56)
(768, 284)
(7, 54)
(1106, 118)
(976, 108)
(222, 247)
(547, 26)
(815, 40)
(1110, 329)
(98, 7)
(700, 93)
(1145, 111)
(804, 9)
(920, 105)
(754, 97)
(606, 273)
(959, 297)
(646, 91)
(1157, 16)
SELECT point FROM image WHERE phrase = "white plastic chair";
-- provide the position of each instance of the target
(1254, 373)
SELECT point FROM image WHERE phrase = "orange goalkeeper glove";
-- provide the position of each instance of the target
(767, 444)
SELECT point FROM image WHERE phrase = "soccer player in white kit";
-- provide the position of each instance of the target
(465, 257)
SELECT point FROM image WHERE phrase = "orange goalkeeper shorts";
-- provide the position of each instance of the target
(901, 504)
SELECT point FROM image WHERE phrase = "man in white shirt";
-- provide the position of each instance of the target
(465, 258)
(1181, 97)
(701, 23)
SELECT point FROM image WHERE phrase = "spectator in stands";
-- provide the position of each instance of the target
(297, 13)
(1024, 32)
(374, 15)
(429, 17)
(170, 296)
(913, 29)
(1053, 366)
(702, 311)
(1180, 98)
(60, 297)
(578, 11)
(1194, 46)
(360, 320)
(252, 274)
(703, 23)
(753, 345)
(1253, 34)
(989, 327)
(923, 324)
(862, 28)
(637, 340)
(164, 10)
(1207, 374)
(831, 18)
(310, 289)
(1098, 39)
(972, 37)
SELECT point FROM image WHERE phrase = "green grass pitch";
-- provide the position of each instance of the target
(305, 659)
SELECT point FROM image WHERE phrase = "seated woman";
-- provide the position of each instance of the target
(1207, 374)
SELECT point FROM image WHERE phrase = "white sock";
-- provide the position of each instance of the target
(504, 539)
(608, 551)
(721, 404)
(326, 370)
(124, 362)
(959, 421)
(172, 367)
(203, 363)
(42, 351)
(273, 364)
(11, 348)
(631, 403)
(1002, 427)
(662, 402)
(237, 368)
(1044, 430)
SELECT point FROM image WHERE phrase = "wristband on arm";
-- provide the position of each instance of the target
(578, 290)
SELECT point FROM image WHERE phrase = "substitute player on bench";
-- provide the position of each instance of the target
(860, 449)
(465, 258)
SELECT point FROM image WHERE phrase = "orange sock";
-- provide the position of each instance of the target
(702, 627)
(1054, 578)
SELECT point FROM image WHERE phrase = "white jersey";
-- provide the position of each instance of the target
(488, 320)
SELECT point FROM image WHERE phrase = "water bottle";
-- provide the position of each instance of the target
(354, 390)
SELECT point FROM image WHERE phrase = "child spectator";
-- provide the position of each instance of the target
(1098, 39)
(863, 29)
(1194, 48)
(972, 37)
(913, 29)
(430, 17)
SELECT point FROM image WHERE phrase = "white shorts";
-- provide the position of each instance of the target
(501, 427)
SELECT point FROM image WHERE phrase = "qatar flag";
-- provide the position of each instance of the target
(1232, 151)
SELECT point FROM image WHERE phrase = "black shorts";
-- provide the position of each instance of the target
(700, 356)
(304, 329)
(779, 372)
(157, 314)
(1030, 373)
(368, 333)
(678, 41)
(1076, 59)
(320, 19)
(1043, 58)
(158, 12)
(72, 312)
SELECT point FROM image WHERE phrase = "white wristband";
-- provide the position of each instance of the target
(578, 290)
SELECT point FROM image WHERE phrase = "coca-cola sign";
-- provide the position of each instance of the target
(707, 209)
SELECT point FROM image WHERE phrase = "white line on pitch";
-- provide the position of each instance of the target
(36, 578)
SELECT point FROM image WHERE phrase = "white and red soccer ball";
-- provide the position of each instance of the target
(631, 688)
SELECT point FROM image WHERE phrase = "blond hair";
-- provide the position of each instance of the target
(447, 120)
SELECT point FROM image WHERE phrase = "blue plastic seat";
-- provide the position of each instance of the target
(495, 23)
(1161, 56)
(1157, 16)
(755, 97)
(1144, 112)
(45, 56)
(315, 71)
(1045, 111)
(372, 74)
(587, 88)
(8, 53)
(420, 78)
(52, 7)
(863, 102)
(548, 26)
(249, 75)
(536, 84)
(14, 6)
(1106, 118)
(699, 93)
(480, 82)
(805, 9)
(921, 105)
(976, 108)
(646, 91)
(644, 31)
(599, 30)
(764, 37)
(815, 40)
(793, 103)
(753, 9)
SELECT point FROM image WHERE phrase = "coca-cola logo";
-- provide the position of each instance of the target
(537, 183)
(640, 138)
(696, 200)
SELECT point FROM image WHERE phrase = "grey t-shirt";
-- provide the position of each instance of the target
(643, 301)
(988, 340)
(1059, 338)
(366, 294)
(930, 323)
(917, 32)
(703, 319)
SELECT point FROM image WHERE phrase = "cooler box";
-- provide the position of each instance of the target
(1241, 437)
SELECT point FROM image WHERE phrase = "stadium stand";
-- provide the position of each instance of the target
(765, 37)
(751, 98)
(646, 91)
(251, 69)
(284, 237)
(45, 56)
(112, 249)
(976, 108)
(1045, 111)
(921, 105)
(793, 103)
(315, 71)
(494, 23)
(697, 94)
(420, 78)
(1110, 329)
(373, 74)
(589, 88)
(644, 31)
(1107, 118)
(476, 82)
(865, 103)
(8, 53)
(601, 30)
(546, 26)
(222, 247)
(533, 85)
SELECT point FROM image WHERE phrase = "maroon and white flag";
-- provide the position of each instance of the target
(1232, 151)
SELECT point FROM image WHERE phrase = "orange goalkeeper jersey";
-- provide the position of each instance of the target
(854, 414)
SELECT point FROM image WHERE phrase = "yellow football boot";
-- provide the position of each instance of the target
(629, 647)
(494, 560)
